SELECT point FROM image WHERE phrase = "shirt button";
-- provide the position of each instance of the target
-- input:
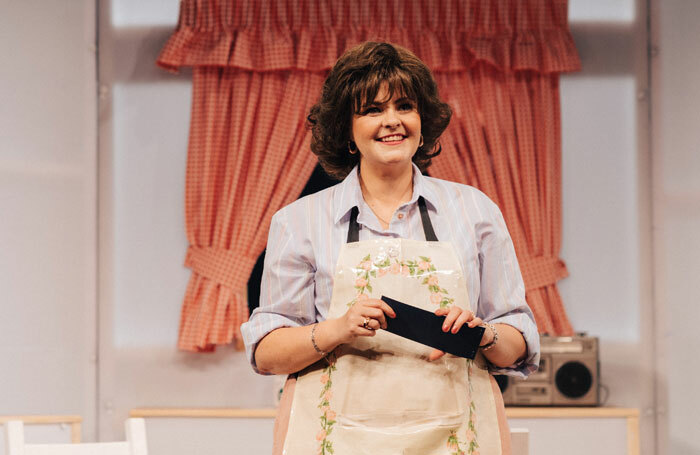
(400, 216)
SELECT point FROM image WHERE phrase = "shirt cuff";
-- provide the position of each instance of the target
(528, 329)
(257, 327)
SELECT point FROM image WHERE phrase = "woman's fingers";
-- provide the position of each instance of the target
(442, 311)
(476, 322)
(375, 314)
(451, 317)
(375, 325)
(364, 326)
(367, 332)
(461, 319)
(387, 309)
(435, 354)
(376, 309)
(455, 318)
(382, 305)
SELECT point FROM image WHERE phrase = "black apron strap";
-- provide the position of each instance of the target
(425, 218)
(354, 228)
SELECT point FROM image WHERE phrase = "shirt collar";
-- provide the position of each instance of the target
(348, 193)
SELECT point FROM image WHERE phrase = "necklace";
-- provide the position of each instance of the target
(374, 210)
(372, 202)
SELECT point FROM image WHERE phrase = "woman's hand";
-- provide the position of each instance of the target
(455, 318)
(363, 319)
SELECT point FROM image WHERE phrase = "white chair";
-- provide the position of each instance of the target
(520, 441)
(135, 443)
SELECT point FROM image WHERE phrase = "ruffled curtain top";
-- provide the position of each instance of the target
(309, 35)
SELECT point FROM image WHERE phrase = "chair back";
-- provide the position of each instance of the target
(135, 443)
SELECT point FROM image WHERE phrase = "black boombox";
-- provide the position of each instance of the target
(568, 375)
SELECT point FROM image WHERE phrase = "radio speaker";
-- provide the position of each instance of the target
(568, 375)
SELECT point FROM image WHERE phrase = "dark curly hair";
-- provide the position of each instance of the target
(354, 82)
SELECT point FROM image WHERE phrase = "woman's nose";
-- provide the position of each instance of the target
(391, 118)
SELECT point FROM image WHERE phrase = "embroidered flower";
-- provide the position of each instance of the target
(360, 282)
(405, 270)
(436, 298)
(382, 272)
(328, 395)
(453, 444)
(366, 265)
(324, 378)
(321, 435)
(330, 415)
(395, 268)
(432, 280)
(424, 265)
(470, 435)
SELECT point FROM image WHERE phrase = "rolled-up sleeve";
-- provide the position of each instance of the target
(287, 287)
(502, 295)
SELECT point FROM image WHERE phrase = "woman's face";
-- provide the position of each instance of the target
(387, 133)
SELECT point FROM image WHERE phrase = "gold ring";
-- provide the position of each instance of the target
(365, 323)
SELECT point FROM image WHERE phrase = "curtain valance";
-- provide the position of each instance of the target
(448, 35)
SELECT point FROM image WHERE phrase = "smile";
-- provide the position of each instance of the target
(392, 138)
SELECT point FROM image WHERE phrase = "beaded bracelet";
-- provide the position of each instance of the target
(313, 341)
(488, 346)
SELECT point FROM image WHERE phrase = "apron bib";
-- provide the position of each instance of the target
(380, 395)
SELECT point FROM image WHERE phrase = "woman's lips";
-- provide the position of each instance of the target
(391, 140)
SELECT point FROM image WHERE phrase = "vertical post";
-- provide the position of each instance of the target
(75, 432)
(633, 435)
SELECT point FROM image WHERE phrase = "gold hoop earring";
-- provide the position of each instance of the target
(421, 141)
(352, 147)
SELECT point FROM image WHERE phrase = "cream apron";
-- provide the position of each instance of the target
(380, 395)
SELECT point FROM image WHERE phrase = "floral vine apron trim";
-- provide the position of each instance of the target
(328, 415)
(471, 425)
(453, 442)
(368, 270)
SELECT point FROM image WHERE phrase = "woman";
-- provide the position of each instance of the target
(331, 255)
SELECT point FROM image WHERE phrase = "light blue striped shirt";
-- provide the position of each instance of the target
(305, 239)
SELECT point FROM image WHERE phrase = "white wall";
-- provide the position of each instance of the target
(144, 125)
(676, 185)
(620, 289)
(607, 202)
(48, 195)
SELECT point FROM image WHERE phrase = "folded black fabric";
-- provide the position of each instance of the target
(426, 328)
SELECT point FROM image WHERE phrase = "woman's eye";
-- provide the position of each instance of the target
(406, 106)
(371, 110)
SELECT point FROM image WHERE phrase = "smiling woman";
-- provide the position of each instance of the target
(332, 255)
(387, 131)
(364, 81)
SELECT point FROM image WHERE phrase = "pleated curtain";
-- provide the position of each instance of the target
(258, 66)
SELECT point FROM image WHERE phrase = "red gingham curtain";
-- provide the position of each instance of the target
(505, 139)
(258, 66)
